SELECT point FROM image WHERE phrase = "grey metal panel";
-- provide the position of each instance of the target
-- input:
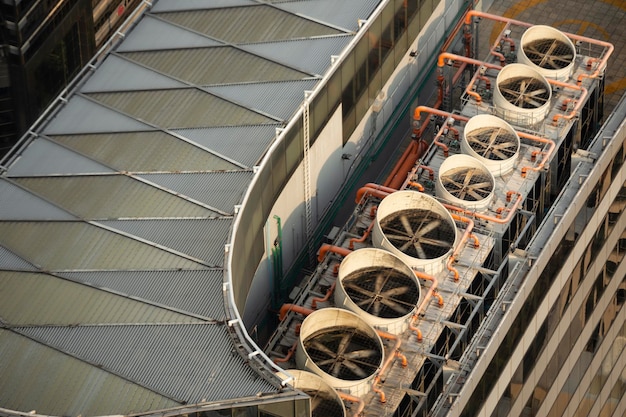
(153, 34)
(111, 197)
(18, 204)
(202, 239)
(177, 5)
(187, 362)
(43, 157)
(144, 152)
(297, 53)
(220, 190)
(244, 144)
(279, 99)
(85, 389)
(181, 108)
(259, 23)
(80, 115)
(61, 302)
(198, 292)
(10, 261)
(117, 74)
(344, 14)
(75, 246)
(217, 65)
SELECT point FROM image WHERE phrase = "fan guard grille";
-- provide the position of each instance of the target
(419, 233)
(383, 292)
(494, 143)
(323, 404)
(549, 53)
(344, 352)
(468, 183)
(525, 92)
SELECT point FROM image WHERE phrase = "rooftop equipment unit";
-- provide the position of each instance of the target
(549, 51)
(522, 95)
(379, 287)
(340, 347)
(492, 141)
(464, 181)
(324, 399)
(416, 228)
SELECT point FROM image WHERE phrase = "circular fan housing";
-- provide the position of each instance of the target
(549, 51)
(324, 399)
(416, 228)
(341, 348)
(522, 95)
(492, 141)
(465, 182)
(379, 287)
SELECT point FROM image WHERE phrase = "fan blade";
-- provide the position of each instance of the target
(355, 369)
(322, 348)
(396, 291)
(343, 344)
(428, 228)
(395, 306)
(420, 251)
(361, 354)
(407, 225)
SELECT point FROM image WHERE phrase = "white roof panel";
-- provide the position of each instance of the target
(344, 14)
(119, 74)
(177, 5)
(43, 157)
(81, 115)
(155, 33)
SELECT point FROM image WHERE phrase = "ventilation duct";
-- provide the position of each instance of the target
(341, 348)
(492, 141)
(324, 399)
(416, 228)
(464, 181)
(379, 287)
(549, 51)
(522, 95)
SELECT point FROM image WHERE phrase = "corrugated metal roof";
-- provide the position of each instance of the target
(65, 303)
(19, 204)
(120, 208)
(279, 99)
(244, 144)
(95, 197)
(202, 239)
(145, 152)
(198, 292)
(81, 115)
(216, 189)
(70, 386)
(119, 74)
(191, 375)
(344, 14)
(156, 34)
(217, 65)
(248, 24)
(188, 107)
(297, 53)
(59, 246)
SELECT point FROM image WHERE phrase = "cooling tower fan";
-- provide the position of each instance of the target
(340, 347)
(522, 95)
(549, 51)
(324, 399)
(415, 227)
(379, 287)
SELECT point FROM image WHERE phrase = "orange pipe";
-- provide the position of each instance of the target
(432, 291)
(362, 238)
(495, 219)
(546, 157)
(471, 61)
(400, 176)
(290, 353)
(457, 250)
(431, 172)
(325, 298)
(387, 363)
(419, 109)
(371, 189)
(417, 185)
(602, 62)
(408, 151)
(286, 308)
(578, 102)
(353, 399)
(326, 247)
(438, 143)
